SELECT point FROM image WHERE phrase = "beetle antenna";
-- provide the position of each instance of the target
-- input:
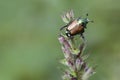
(91, 21)
(86, 14)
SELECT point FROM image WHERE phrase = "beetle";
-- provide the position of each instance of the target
(74, 26)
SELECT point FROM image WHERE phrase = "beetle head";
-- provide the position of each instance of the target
(85, 21)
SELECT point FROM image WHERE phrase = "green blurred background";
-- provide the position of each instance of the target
(29, 49)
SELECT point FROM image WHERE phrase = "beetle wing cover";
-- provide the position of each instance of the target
(68, 16)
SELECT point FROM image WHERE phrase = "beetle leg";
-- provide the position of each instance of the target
(82, 36)
(63, 27)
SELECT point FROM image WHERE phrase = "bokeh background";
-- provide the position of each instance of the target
(29, 48)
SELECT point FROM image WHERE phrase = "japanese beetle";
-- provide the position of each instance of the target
(74, 26)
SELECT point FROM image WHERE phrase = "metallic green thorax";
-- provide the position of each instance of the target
(83, 21)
